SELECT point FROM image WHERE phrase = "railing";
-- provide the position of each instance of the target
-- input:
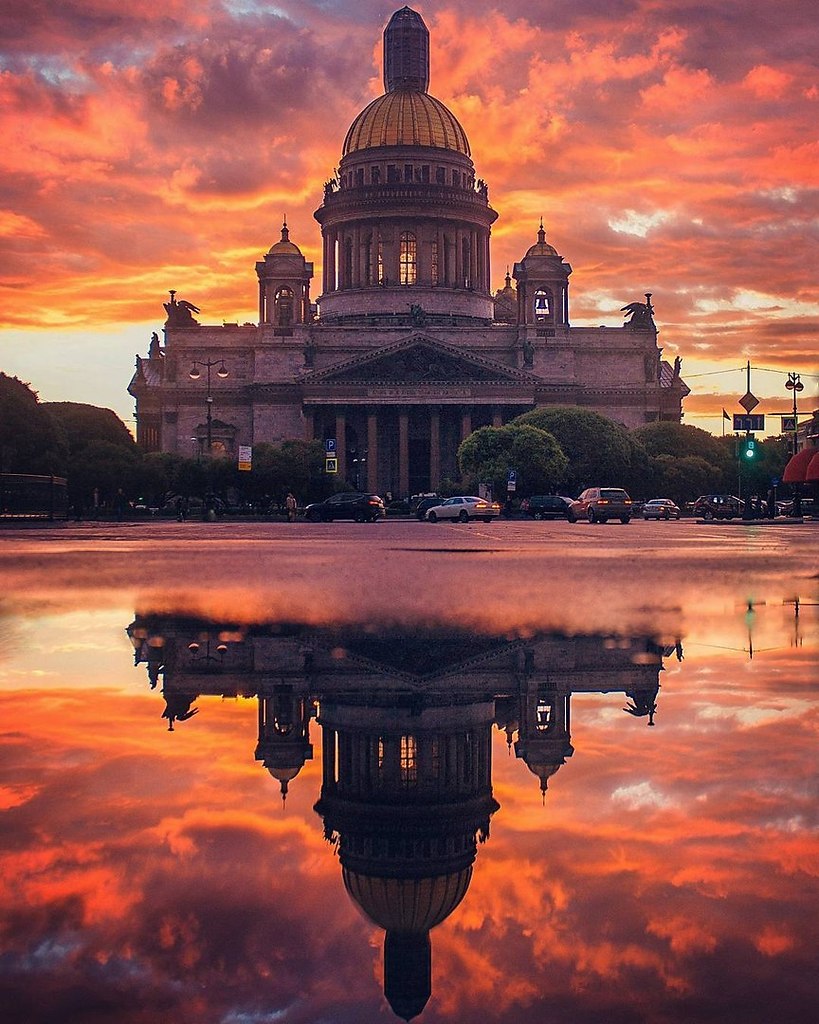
(24, 496)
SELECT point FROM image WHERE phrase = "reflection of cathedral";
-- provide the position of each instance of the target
(406, 350)
(406, 792)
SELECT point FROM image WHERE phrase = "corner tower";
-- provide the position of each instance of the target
(405, 223)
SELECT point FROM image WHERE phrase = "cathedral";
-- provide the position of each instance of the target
(406, 350)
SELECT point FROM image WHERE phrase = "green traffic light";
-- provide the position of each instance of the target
(750, 448)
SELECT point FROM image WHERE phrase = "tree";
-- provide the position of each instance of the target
(31, 441)
(599, 451)
(83, 424)
(106, 469)
(487, 455)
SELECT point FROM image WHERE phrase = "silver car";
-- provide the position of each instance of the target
(661, 508)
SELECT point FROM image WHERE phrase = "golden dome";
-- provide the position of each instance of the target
(541, 246)
(406, 117)
(284, 246)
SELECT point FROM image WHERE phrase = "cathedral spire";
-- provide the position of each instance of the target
(406, 52)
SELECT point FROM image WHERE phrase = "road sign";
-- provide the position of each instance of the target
(512, 480)
(245, 457)
(330, 464)
(788, 424)
(748, 423)
(749, 402)
(329, 445)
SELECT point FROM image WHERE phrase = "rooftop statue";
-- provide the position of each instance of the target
(180, 313)
(641, 314)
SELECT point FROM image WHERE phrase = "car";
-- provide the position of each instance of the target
(462, 508)
(717, 506)
(661, 508)
(597, 504)
(423, 505)
(546, 506)
(400, 507)
(363, 508)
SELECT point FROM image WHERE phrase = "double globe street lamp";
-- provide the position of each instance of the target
(195, 374)
(794, 384)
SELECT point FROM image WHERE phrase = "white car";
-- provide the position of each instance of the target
(463, 508)
(661, 508)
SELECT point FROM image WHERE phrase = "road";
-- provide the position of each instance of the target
(515, 575)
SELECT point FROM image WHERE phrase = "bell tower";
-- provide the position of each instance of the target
(284, 285)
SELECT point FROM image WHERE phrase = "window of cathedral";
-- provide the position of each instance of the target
(407, 259)
(440, 175)
(348, 263)
(456, 178)
(392, 173)
(407, 172)
(409, 760)
(380, 258)
(542, 305)
(425, 173)
(434, 262)
(375, 175)
(283, 307)
(359, 176)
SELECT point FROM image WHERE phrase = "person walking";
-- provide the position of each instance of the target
(290, 506)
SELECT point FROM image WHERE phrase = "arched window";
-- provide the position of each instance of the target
(407, 260)
(543, 305)
(434, 263)
(283, 305)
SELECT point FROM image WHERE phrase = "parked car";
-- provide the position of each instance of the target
(401, 507)
(546, 506)
(597, 504)
(717, 506)
(423, 505)
(463, 508)
(363, 508)
(661, 508)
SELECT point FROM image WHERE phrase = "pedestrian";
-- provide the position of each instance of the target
(290, 505)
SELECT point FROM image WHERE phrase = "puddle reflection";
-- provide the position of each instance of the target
(528, 827)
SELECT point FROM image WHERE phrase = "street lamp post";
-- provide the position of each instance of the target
(794, 384)
(195, 375)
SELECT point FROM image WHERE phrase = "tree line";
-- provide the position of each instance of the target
(556, 449)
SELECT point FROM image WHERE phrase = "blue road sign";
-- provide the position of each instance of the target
(329, 445)
(747, 422)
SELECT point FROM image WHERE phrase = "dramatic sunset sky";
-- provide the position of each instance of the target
(670, 147)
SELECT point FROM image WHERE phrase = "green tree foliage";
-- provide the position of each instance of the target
(599, 451)
(293, 465)
(489, 453)
(104, 468)
(83, 424)
(31, 441)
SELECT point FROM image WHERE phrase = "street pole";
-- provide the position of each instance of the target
(794, 384)
(195, 375)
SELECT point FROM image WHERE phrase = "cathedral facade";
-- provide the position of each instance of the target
(406, 350)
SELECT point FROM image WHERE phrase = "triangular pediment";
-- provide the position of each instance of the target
(418, 360)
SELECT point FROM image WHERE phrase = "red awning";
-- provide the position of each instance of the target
(812, 473)
(798, 466)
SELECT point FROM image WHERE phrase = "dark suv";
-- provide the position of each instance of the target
(597, 504)
(717, 506)
(546, 506)
(363, 508)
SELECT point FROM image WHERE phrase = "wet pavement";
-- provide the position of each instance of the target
(519, 771)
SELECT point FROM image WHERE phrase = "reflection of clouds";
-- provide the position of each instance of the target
(639, 795)
(757, 714)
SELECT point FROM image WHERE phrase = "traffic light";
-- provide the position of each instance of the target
(749, 448)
